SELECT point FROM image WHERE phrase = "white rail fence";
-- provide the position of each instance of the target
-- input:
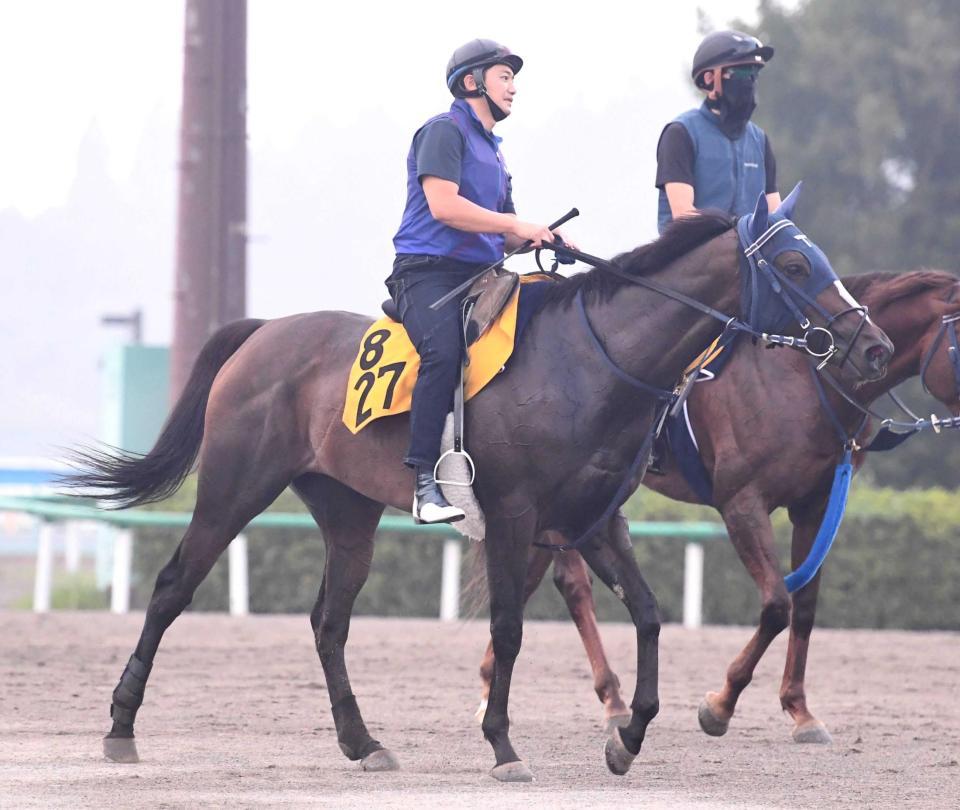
(59, 525)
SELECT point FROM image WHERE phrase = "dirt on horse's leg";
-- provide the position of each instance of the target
(348, 521)
(537, 566)
(508, 544)
(751, 533)
(216, 521)
(793, 698)
(610, 555)
(572, 579)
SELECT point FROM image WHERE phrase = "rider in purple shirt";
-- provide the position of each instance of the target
(459, 218)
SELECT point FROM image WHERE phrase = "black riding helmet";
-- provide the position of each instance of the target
(728, 48)
(475, 57)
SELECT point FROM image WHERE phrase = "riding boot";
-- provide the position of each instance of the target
(429, 505)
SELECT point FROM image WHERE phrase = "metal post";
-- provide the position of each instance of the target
(693, 585)
(238, 577)
(103, 555)
(43, 579)
(122, 564)
(450, 581)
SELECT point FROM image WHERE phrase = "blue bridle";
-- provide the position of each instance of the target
(769, 299)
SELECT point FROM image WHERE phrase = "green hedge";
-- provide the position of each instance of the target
(895, 565)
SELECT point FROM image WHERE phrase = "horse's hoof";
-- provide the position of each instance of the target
(481, 711)
(619, 759)
(618, 721)
(813, 731)
(512, 772)
(120, 749)
(380, 760)
(709, 722)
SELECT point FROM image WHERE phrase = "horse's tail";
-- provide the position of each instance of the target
(475, 594)
(123, 479)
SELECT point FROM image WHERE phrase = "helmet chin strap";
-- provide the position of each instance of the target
(495, 111)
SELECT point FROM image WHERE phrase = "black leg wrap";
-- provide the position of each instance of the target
(128, 696)
(354, 739)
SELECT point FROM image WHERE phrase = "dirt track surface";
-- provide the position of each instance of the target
(236, 714)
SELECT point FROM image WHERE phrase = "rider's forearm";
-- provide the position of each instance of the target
(513, 242)
(458, 212)
(680, 197)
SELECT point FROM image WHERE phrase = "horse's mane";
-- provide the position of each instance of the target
(681, 236)
(885, 288)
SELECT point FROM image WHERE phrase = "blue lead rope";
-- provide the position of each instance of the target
(828, 527)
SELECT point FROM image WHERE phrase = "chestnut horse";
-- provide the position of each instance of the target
(554, 438)
(759, 461)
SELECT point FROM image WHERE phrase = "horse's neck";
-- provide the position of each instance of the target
(654, 338)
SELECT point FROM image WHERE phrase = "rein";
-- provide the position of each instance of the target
(757, 263)
(892, 431)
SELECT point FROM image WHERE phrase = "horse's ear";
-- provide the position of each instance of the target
(758, 222)
(790, 203)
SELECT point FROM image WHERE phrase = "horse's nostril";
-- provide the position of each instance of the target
(878, 354)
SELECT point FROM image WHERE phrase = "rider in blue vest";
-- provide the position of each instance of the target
(714, 156)
(459, 218)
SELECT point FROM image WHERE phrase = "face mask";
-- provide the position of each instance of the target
(736, 102)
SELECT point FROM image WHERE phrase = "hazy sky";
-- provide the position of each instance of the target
(118, 62)
(88, 155)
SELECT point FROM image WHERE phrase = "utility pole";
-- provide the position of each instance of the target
(210, 288)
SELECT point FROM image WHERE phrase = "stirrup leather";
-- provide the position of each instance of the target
(458, 448)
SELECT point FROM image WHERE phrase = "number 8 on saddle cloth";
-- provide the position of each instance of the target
(384, 373)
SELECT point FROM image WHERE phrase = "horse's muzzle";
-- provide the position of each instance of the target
(864, 355)
(877, 356)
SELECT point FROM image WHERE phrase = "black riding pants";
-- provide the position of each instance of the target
(416, 282)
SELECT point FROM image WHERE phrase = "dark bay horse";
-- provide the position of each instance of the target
(758, 460)
(553, 438)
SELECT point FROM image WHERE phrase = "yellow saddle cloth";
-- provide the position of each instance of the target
(385, 371)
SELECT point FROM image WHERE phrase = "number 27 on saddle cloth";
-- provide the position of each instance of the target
(385, 371)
